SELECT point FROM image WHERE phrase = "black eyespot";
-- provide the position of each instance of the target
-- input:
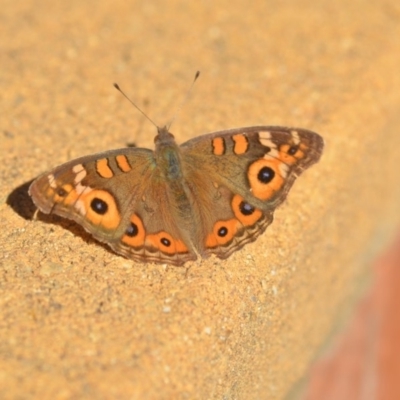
(132, 230)
(223, 231)
(293, 150)
(61, 192)
(99, 206)
(266, 174)
(166, 242)
(246, 208)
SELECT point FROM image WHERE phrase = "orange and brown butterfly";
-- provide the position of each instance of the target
(211, 195)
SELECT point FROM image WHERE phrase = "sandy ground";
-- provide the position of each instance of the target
(78, 321)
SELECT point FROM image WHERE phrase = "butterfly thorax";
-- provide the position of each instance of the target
(167, 156)
(168, 162)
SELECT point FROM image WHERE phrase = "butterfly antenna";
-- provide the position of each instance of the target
(185, 99)
(134, 105)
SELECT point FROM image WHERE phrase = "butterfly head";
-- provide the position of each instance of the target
(164, 136)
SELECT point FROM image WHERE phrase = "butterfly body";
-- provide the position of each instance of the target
(211, 195)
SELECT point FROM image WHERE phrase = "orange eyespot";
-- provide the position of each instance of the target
(222, 233)
(290, 154)
(244, 212)
(135, 233)
(166, 243)
(100, 208)
(265, 177)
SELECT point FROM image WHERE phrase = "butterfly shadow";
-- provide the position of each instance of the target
(20, 201)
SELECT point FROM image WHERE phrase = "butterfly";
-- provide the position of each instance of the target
(211, 195)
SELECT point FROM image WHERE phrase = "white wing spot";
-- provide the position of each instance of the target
(80, 173)
(78, 168)
(80, 206)
(52, 181)
(274, 153)
(283, 170)
(295, 137)
(80, 189)
(267, 142)
(265, 135)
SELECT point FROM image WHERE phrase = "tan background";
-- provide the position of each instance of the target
(77, 321)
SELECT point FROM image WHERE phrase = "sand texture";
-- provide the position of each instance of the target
(80, 322)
